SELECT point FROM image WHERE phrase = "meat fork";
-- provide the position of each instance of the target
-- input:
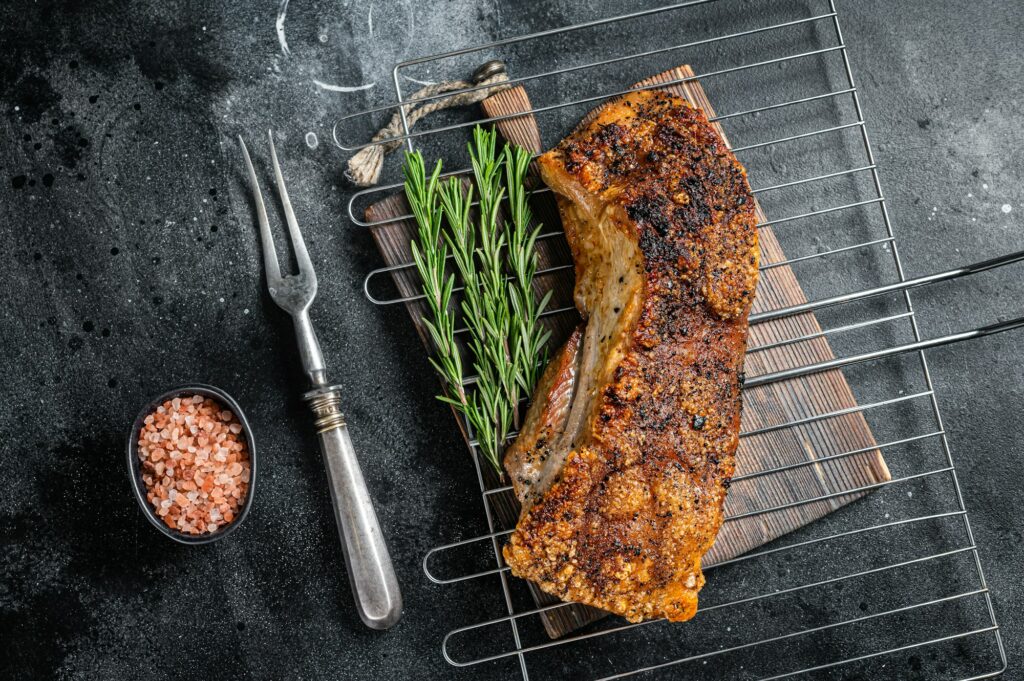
(374, 584)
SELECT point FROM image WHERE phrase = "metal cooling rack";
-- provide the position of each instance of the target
(888, 587)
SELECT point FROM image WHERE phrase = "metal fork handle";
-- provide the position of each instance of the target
(374, 583)
(309, 348)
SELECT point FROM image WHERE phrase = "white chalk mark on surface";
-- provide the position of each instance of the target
(418, 82)
(282, 12)
(311, 141)
(343, 88)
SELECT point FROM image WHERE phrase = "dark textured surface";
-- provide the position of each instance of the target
(131, 265)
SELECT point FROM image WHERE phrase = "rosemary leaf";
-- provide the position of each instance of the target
(496, 262)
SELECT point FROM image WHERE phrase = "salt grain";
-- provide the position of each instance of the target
(199, 493)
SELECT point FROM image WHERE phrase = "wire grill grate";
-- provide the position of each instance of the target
(897, 572)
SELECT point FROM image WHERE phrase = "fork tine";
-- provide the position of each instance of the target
(266, 237)
(298, 244)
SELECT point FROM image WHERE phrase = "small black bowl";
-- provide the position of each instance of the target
(135, 465)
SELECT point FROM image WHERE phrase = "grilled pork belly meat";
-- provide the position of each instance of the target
(625, 456)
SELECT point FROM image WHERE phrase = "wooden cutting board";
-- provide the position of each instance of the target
(811, 445)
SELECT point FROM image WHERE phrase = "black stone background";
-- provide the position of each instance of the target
(130, 264)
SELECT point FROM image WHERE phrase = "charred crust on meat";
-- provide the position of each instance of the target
(639, 497)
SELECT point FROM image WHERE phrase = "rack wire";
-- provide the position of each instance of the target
(891, 586)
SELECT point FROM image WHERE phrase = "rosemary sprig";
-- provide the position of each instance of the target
(496, 263)
(528, 337)
(429, 252)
